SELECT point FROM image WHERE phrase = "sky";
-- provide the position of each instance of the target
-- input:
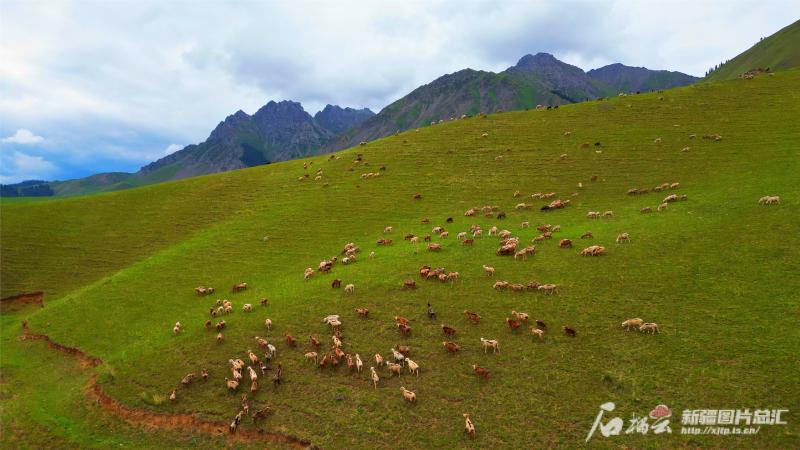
(94, 86)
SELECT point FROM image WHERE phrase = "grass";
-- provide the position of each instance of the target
(717, 272)
(778, 52)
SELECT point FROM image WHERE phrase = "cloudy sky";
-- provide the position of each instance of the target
(94, 86)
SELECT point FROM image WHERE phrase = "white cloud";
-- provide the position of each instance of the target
(23, 136)
(171, 148)
(18, 166)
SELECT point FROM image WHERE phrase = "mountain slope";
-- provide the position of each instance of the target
(119, 270)
(534, 80)
(635, 79)
(278, 131)
(337, 119)
(777, 52)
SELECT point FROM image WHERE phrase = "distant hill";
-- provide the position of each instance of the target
(279, 131)
(535, 79)
(777, 52)
(633, 79)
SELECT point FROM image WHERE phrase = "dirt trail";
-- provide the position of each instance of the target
(85, 360)
(187, 423)
(27, 298)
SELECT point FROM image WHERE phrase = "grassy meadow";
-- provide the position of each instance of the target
(717, 272)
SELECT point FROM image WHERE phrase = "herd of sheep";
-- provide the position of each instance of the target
(399, 358)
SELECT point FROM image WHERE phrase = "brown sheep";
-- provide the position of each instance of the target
(565, 243)
(448, 331)
(451, 347)
(569, 331)
(473, 317)
(480, 371)
(434, 247)
(363, 312)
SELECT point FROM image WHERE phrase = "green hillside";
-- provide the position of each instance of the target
(777, 52)
(717, 272)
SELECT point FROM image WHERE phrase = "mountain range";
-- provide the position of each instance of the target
(281, 131)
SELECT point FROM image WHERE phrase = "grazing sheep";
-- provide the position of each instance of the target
(622, 238)
(448, 331)
(649, 327)
(174, 395)
(646, 210)
(469, 427)
(488, 270)
(434, 247)
(359, 363)
(548, 288)
(480, 371)
(371, 255)
(769, 200)
(662, 206)
(500, 285)
(235, 423)
(408, 395)
(451, 347)
(587, 235)
(253, 357)
(593, 250)
(394, 368)
(268, 324)
(404, 329)
(473, 317)
(461, 235)
(232, 384)
(388, 230)
(350, 288)
(670, 198)
(608, 214)
(409, 284)
(219, 337)
(413, 367)
(632, 323)
(247, 307)
(252, 373)
(565, 243)
(490, 343)
(520, 315)
(513, 324)
(177, 328)
(311, 356)
(374, 377)
(290, 340)
(363, 312)
(538, 333)
(569, 331)
(593, 214)
(452, 276)
(239, 287)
